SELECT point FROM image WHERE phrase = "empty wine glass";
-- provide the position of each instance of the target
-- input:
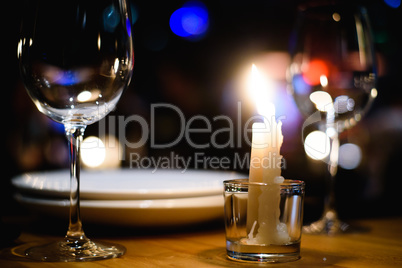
(76, 58)
(332, 79)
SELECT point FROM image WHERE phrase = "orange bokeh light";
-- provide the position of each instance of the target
(314, 70)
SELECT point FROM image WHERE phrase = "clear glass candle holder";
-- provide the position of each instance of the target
(246, 239)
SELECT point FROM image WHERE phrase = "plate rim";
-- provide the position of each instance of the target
(172, 203)
(129, 194)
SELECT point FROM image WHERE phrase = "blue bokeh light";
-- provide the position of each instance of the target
(300, 86)
(190, 21)
(393, 3)
(111, 18)
(68, 78)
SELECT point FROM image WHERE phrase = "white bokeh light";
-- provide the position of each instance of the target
(84, 96)
(350, 156)
(317, 145)
(322, 100)
(93, 152)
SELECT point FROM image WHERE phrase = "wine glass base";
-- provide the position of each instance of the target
(60, 251)
(327, 225)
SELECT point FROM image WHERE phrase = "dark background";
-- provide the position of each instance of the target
(196, 76)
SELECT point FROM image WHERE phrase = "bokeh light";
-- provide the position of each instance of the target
(64, 78)
(314, 71)
(300, 86)
(93, 152)
(393, 3)
(110, 18)
(84, 96)
(322, 100)
(317, 145)
(101, 153)
(350, 156)
(190, 21)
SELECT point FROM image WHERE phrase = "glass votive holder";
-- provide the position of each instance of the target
(263, 221)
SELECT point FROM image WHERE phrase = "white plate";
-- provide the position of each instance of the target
(127, 184)
(157, 212)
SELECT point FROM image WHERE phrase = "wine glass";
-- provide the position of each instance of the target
(332, 78)
(76, 58)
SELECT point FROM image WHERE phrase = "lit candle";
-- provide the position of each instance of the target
(263, 225)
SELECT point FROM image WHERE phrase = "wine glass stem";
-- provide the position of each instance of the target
(329, 209)
(74, 134)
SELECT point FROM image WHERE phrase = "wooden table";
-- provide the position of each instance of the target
(379, 246)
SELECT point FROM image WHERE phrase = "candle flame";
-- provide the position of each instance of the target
(261, 90)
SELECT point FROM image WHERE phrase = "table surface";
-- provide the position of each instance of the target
(379, 244)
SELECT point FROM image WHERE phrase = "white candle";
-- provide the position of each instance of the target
(263, 226)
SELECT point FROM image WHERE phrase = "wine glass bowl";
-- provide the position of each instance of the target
(76, 58)
(333, 66)
(332, 78)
